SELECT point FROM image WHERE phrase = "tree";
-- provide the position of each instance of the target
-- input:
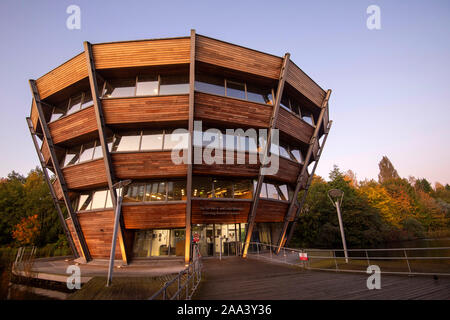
(27, 230)
(387, 170)
(423, 185)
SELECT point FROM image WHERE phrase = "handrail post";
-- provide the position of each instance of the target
(335, 262)
(407, 261)
(367, 256)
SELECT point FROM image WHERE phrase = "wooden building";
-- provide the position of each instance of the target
(109, 114)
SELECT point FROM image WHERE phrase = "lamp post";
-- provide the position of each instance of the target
(119, 185)
(336, 196)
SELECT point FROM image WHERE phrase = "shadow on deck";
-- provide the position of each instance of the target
(236, 278)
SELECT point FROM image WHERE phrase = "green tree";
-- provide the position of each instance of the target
(387, 170)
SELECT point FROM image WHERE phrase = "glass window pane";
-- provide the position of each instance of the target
(243, 189)
(272, 192)
(128, 141)
(307, 117)
(235, 89)
(85, 202)
(74, 104)
(176, 190)
(87, 152)
(87, 100)
(147, 85)
(295, 107)
(158, 191)
(109, 203)
(223, 188)
(179, 140)
(174, 84)
(202, 187)
(259, 95)
(297, 155)
(120, 88)
(283, 152)
(133, 193)
(263, 193)
(208, 84)
(59, 111)
(285, 102)
(283, 192)
(152, 140)
(98, 152)
(99, 199)
(72, 156)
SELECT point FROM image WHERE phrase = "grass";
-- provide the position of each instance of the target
(122, 288)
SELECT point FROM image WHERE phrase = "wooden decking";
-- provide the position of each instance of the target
(237, 278)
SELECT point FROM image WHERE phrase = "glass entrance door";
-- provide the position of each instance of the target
(159, 243)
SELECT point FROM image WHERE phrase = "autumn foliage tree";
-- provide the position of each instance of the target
(27, 230)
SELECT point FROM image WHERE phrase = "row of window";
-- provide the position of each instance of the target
(202, 187)
(235, 89)
(293, 106)
(146, 85)
(77, 102)
(85, 152)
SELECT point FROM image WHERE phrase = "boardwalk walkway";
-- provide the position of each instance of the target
(237, 278)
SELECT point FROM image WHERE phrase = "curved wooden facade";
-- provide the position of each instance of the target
(88, 71)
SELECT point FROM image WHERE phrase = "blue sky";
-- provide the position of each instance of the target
(390, 86)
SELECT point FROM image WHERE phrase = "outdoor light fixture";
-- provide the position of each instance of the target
(336, 196)
(119, 185)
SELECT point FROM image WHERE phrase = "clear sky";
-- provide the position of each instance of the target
(390, 86)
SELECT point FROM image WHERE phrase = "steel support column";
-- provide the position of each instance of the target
(187, 249)
(304, 172)
(37, 100)
(272, 124)
(52, 191)
(102, 136)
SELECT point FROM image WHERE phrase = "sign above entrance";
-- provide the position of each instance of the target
(213, 211)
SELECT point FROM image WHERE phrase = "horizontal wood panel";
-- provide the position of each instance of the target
(45, 151)
(146, 109)
(86, 175)
(63, 76)
(57, 189)
(34, 115)
(74, 235)
(203, 211)
(97, 228)
(171, 215)
(271, 211)
(75, 125)
(288, 171)
(300, 81)
(294, 126)
(142, 165)
(235, 57)
(238, 170)
(141, 53)
(225, 110)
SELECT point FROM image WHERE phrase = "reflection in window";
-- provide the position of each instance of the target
(72, 156)
(283, 192)
(307, 117)
(274, 191)
(98, 152)
(127, 141)
(259, 95)
(147, 85)
(120, 88)
(87, 100)
(176, 190)
(243, 189)
(74, 104)
(59, 111)
(174, 84)
(85, 202)
(152, 140)
(296, 153)
(202, 187)
(209, 84)
(235, 89)
(99, 199)
(155, 191)
(176, 140)
(223, 188)
(87, 151)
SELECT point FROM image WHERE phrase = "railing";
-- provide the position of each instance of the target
(410, 261)
(183, 286)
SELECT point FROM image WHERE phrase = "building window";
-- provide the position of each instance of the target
(274, 191)
(94, 200)
(206, 187)
(119, 88)
(85, 152)
(147, 85)
(155, 191)
(148, 140)
(73, 104)
(210, 84)
(174, 84)
(235, 89)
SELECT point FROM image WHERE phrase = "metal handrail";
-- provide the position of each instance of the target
(261, 252)
(193, 273)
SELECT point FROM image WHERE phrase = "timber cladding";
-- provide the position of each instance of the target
(90, 174)
(294, 126)
(235, 57)
(146, 109)
(141, 53)
(97, 227)
(211, 211)
(73, 126)
(61, 77)
(271, 211)
(146, 165)
(150, 216)
(212, 108)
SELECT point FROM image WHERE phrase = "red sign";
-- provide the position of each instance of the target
(303, 256)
